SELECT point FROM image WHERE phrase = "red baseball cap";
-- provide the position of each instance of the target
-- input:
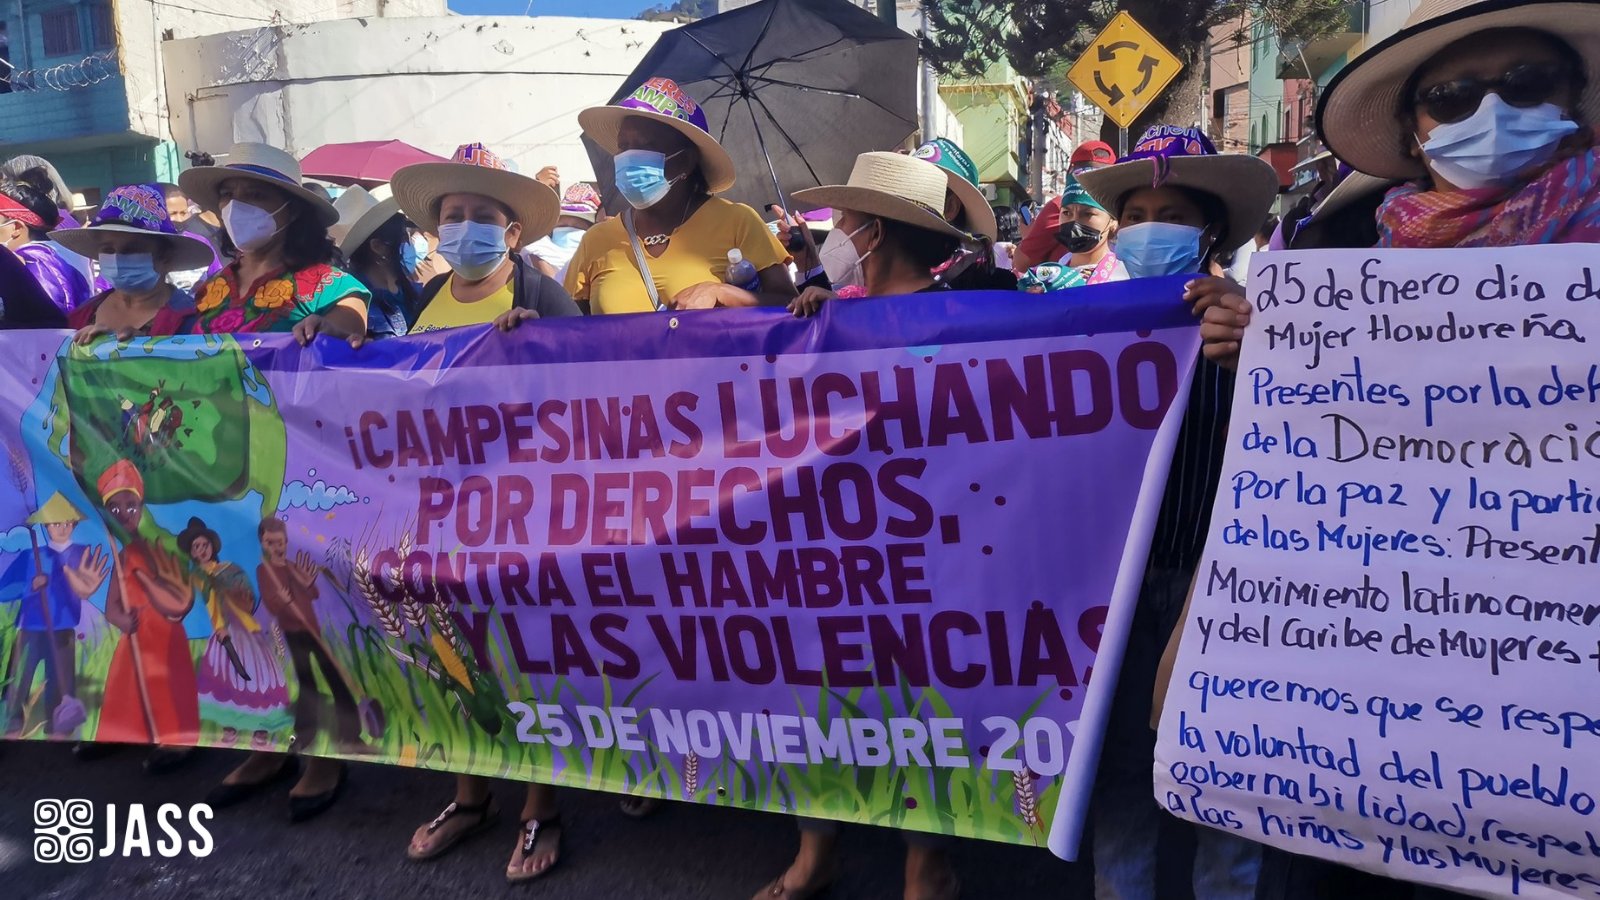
(1095, 153)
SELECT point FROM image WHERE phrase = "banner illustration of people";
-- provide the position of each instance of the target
(49, 584)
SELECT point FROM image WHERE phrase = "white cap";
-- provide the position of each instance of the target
(735, 256)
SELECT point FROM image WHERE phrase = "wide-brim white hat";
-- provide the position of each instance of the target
(1247, 187)
(1359, 115)
(890, 186)
(473, 170)
(361, 212)
(661, 100)
(255, 162)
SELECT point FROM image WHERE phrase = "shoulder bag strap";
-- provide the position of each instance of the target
(641, 259)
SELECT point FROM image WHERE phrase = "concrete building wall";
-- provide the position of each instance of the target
(515, 84)
(146, 26)
(993, 110)
(100, 112)
(1228, 77)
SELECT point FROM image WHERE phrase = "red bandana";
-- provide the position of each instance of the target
(15, 211)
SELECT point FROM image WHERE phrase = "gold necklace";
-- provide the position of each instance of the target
(659, 238)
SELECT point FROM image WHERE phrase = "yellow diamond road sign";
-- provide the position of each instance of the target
(1124, 69)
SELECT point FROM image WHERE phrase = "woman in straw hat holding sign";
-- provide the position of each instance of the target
(482, 213)
(1487, 109)
(283, 277)
(372, 234)
(137, 246)
(889, 233)
(1178, 206)
(671, 249)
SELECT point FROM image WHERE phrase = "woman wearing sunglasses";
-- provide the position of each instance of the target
(1485, 110)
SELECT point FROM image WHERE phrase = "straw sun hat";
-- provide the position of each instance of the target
(135, 209)
(255, 162)
(1359, 116)
(361, 212)
(661, 100)
(475, 170)
(1169, 156)
(890, 186)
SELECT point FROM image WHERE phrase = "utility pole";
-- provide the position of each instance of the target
(1041, 130)
(886, 12)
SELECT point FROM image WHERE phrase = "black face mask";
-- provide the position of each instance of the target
(1078, 237)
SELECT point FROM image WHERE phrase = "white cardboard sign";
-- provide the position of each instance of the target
(1392, 657)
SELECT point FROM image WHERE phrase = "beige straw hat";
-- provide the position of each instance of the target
(661, 100)
(361, 212)
(475, 170)
(1173, 156)
(255, 162)
(1359, 115)
(890, 186)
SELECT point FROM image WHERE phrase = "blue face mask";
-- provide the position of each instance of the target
(409, 257)
(473, 249)
(1497, 142)
(642, 177)
(1150, 249)
(132, 273)
(566, 237)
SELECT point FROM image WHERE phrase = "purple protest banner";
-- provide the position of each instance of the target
(860, 567)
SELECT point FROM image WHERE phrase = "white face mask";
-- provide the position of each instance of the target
(1496, 143)
(841, 260)
(249, 227)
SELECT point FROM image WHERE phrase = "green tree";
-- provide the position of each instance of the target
(1040, 38)
(672, 12)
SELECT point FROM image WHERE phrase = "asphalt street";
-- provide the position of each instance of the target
(356, 850)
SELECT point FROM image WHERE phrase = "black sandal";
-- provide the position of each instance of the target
(531, 829)
(484, 813)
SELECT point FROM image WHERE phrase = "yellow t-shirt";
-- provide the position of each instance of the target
(445, 311)
(603, 270)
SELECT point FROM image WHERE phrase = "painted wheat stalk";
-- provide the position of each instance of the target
(691, 775)
(277, 641)
(19, 468)
(338, 562)
(449, 648)
(410, 606)
(1027, 803)
(367, 587)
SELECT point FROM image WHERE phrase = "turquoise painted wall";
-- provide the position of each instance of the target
(1266, 89)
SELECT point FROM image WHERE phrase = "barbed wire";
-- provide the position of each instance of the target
(72, 76)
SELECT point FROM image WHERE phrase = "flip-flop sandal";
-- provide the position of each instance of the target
(484, 815)
(527, 842)
(639, 807)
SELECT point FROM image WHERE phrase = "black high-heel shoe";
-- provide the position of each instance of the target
(225, 795)
(304, 809)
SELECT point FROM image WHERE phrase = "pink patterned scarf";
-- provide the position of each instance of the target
(1561, 206)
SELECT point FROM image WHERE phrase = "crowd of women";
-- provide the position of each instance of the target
(1471, 127)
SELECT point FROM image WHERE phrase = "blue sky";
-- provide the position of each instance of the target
(620, 9)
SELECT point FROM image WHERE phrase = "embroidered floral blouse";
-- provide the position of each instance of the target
(275, 302)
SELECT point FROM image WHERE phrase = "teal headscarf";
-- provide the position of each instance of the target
(944, 153)
(1074, 193)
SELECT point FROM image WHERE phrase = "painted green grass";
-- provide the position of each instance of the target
(428, 726)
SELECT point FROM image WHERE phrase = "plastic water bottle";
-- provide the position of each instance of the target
(741, 272)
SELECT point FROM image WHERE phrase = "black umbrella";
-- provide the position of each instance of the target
(794, 90)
